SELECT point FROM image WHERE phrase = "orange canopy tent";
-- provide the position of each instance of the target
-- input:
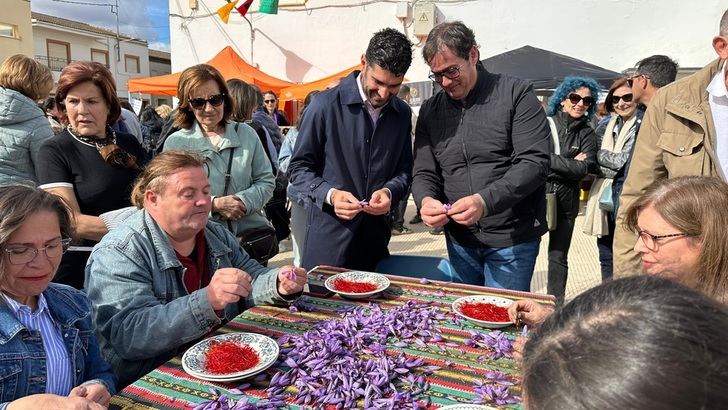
(230, 64)
(300, 91)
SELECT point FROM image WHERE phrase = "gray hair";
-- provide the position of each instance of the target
(723, 29)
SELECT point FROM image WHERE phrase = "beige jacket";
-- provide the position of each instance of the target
(595, 219)
(677, 138)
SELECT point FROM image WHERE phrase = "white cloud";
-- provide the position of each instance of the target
(144, 19)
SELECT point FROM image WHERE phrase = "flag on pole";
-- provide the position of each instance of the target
(224, 11)
(243, 9)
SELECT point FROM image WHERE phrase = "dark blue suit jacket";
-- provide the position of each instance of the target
(339, 147)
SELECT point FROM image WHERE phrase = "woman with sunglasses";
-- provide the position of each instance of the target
(203, 116)
(89, 165)
(270, 102)
(49, 357)
(617, 141)
(681, 224)
(570, 108)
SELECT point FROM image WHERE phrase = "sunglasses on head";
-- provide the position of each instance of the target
(214, 100)
(575, 98)
(626, 98)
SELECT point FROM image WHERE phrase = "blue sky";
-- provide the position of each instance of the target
(145, 19)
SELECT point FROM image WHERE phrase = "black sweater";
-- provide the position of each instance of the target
(495, 143)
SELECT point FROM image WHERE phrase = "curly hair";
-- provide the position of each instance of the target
(569, 85)
(390, 50)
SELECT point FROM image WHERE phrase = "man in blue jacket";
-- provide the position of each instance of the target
(482, 155)
(353, 158)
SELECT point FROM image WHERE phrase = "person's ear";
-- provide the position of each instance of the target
(363, 61)
(720, 45)
(150, 198)
(474, 54)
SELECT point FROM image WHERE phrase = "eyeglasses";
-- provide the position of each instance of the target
(630, 80)
(20, 255)
(269, 101)
(626, 98)
(215, 101)
(575, 98)
(650, 240)
(450, 73)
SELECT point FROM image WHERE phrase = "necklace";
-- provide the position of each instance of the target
(94, 142)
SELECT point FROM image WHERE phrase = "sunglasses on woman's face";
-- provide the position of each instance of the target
(575, 98)
(626, 98)
(215, 101)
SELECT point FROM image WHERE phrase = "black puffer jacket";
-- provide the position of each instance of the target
(494, 143)
(575, 136)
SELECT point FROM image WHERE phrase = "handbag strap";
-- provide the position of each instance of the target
(554, 135)
(228, 176)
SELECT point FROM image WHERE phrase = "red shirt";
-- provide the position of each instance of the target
(197, 272)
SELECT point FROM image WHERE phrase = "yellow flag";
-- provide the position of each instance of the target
(224, 11)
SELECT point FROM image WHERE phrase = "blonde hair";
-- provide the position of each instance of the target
(163, 110)
(26, 76)
(698, 207)
(158, 170)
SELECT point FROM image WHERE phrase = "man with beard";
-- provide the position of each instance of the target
(353, 158)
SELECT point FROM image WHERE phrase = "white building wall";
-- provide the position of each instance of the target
(81, 44)
(302, 45)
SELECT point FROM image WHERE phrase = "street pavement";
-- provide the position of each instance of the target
(584, 272)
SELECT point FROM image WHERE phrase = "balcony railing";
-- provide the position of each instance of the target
(56, 63)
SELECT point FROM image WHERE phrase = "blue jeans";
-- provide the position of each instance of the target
(510, 267)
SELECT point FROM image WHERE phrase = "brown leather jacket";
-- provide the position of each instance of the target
(677, 138)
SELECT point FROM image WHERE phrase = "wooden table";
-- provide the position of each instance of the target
(169, 387)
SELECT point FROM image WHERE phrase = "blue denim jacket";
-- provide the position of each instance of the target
(21, 350)
(142, 311)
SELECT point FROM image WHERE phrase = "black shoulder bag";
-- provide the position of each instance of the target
(259, 242)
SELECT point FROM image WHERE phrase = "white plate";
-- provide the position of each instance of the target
(358, 276)
(193, 361)
(466, 407)
(495, 300)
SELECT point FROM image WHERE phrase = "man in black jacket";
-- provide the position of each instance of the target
(481, 159)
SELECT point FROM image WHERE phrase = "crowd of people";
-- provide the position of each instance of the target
(114, 226)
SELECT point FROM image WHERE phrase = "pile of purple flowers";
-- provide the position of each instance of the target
(223, 402)
(339, 362)
(495, 389)
(497, 343)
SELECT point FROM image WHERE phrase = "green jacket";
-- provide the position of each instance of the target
(251, 179)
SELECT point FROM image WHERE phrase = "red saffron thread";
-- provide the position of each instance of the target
(485, 311)
(230, 357)
(350, 286)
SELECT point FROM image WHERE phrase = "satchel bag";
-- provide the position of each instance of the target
(260, 243)
(606, 202)
(551, 199)
(551, 210)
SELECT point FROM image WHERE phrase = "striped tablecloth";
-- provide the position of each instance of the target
(169, 387)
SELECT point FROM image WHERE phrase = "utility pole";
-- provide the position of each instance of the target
(115, 10)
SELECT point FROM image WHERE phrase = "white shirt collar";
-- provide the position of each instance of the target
(717, 87)
(17, 306)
